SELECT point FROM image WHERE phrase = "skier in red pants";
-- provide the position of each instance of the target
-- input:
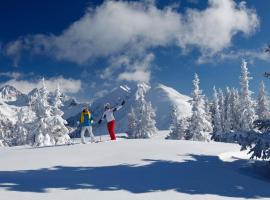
(108, 114)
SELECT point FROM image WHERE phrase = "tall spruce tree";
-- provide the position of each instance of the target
(221, 101)
(236, 110)
(132, 124)
(49, 127)
(263, 110)
(247, 105)
(145, 115)
(199, 124)
(217, 130)
(178, 126)
(228, 111)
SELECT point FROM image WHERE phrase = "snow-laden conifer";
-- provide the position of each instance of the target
(199, 124)
(247, 110)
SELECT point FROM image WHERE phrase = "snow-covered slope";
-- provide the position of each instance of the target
(163, 98)
(130, 170)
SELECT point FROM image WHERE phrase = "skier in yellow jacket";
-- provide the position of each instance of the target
(86, 121)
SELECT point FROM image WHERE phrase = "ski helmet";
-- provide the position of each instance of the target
(107, 106)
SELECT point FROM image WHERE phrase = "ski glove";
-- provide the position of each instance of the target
(123, 102)
(99, 122)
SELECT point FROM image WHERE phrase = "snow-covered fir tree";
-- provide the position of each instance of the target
(221, 108)
(132, 125)
(145, 115)
(199, 124)
(57, 102)
(41, 106)
(56, 121)
(50, 126)
(20, 131)
(235, 108)
(207, 105)
(247, 110)
(228, 111)
(178, 126)
(263, 110)
(6, 133)
(43, 112)
(217, 129)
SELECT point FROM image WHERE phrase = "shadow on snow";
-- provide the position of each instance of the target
(200, 175)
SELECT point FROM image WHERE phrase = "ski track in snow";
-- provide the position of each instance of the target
(125, 169)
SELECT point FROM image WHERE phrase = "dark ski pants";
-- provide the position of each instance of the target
(110, 127)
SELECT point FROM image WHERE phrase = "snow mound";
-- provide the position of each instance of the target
(234, 155)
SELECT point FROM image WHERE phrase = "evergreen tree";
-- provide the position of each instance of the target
(43, 112)
(235, 107)
(6, 133)
(221, 108)
(57, 102)
(20, 130)
(263, 111)
(199, 125)
(247, 110)
(145, 114)
(217, 118)
(50, 126)
(58, 124)
(41, 106)
(207, 106)
(178, 126)
(132, 125)
(228, 111)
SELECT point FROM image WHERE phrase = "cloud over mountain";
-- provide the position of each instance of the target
(134, 28)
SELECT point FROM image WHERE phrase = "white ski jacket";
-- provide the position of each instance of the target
(108, 114)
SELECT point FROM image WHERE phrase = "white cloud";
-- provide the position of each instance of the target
(132, 28)
(137, 76)
(251, 55)
(212, 30)
(14, 75)
(138, 70)
(101, 93)
(14, 49)
(67, 85)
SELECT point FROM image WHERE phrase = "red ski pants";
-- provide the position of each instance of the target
(110, 127)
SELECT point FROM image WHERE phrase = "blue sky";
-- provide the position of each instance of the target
(91, 47)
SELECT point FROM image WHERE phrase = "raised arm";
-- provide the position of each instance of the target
(119, 107)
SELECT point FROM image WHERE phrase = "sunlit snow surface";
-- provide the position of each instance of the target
(132, 169)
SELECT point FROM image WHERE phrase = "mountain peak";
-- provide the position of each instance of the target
(9, 93)
(8, 88)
